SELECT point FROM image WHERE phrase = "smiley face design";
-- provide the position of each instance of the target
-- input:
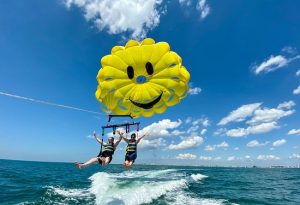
(141, 79)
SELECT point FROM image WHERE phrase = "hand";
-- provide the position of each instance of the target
(120, 133)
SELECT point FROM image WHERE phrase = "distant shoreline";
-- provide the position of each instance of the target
(174, 165)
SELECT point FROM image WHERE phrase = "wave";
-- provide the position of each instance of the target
(198, 177)
(60, 195)
(181, 197)
(138, 187)
(68, 192)
(133, 188)
(145, 174)
(108, 190)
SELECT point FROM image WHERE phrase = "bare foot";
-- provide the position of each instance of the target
(126, 166)
(79, 166)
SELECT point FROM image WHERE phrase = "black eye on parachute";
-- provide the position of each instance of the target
(149, 68)
(130, 72)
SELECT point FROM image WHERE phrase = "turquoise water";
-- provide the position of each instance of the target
(60, 183)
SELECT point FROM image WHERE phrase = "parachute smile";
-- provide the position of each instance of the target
(147, 105)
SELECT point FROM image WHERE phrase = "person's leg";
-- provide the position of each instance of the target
(126, 163)
(105, 161)
(86, 164)
(129, 164)
(130, 160)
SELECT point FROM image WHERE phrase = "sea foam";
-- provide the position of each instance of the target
(109, 190)
(198, 177)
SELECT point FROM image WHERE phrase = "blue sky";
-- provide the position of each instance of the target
(243, 57)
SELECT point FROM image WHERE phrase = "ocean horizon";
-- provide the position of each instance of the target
(29, 182)
(192, 165)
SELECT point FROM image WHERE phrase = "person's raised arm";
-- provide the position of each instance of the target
(122, 136)
(98, 140)
(117, 142)
(144, 135)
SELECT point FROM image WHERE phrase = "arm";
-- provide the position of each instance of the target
(117, 142)
(98, 140)
(122, 136)
(144, 135)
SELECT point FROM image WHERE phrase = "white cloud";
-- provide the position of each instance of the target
(193, 129)
(196, 124)
(279, 142)
(255, 143)
(294, 156)
(188, 120)
(152, 144)
(247, 157)
(257, 129)
(201, 121)
(195, 91)
(240, 114)
(185, 2)
(232, 158)
(289, 50)
(209, 148)
(236, 148)
(205, 122)
(222, 145)
(298, 73)
(262, 120)
(177, 132)
(186, 156)
(203, 131)
(203, 7)
(237, 132)
(213, 147)
(263, 128)
(286, 105)
(296, 91)
(161, 128)
(273, 63)
(190, 142)
(269, 115)
(204, 158)
(267, 157)
(134, 16)
(294, 132)
(220, 131)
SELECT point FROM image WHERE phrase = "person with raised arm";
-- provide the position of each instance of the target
(105, 155)
(131, 150)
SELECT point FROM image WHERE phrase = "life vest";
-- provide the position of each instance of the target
(109, 147)
(131, 147)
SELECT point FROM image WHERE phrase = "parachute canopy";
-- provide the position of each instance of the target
(141, 79)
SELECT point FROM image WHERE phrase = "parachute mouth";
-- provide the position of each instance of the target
(148, 105)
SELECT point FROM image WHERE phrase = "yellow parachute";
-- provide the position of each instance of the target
(141, 79)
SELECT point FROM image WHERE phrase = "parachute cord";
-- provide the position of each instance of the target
(137, 130)
(101, 146)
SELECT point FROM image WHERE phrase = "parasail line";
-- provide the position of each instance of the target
(48, 103)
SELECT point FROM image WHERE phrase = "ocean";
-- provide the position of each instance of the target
(24, 182)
